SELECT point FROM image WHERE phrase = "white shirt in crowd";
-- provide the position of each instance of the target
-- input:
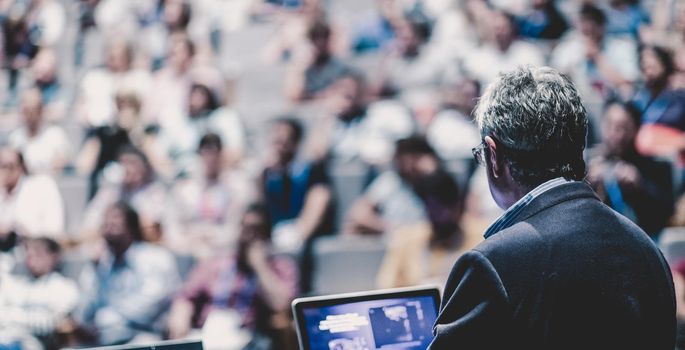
(35, 306)
(397, 202)
(99, 88)
(34, 208)
(452, 135)
(487, 62)
(45, 150)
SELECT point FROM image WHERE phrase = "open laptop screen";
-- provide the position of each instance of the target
(387, 320)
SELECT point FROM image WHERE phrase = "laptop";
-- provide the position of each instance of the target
(164, 345)
(400, 318)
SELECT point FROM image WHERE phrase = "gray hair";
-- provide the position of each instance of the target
(538, 119)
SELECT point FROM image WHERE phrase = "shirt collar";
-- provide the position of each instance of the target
(509, 217)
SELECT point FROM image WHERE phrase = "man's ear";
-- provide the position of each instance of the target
(496, 165)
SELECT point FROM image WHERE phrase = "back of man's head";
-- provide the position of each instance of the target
(539, 123)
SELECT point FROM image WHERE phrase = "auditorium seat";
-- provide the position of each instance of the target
(346, 264)
(74, 190)
(348, 182)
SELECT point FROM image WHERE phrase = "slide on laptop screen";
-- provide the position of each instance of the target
(388, 319)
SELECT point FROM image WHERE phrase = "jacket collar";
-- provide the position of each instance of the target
(559, 194)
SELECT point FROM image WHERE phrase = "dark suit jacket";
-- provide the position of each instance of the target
(570, 274)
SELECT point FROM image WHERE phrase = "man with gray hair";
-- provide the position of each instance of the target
(558, 270)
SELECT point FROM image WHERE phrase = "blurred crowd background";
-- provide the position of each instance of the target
(174, 169)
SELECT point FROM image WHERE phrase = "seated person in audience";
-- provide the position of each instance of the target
(44, 73)
(373, 30)
(230, 125)
(391, 200)
(636, 186)
(39, 303)
(298, 192)
(424, 253)
(452, 132)
(503, 50)
(95, 104)
(251, 284)
(314, 68)
(104, 143)
(656, 100)
(596, 61)
(180, 140)
(342, 129)
(352, 130)
(625, 17)
(45, 147)
(30, 205)
(132, 283)
(132, 181)
(543, 20)
(170, 87)
(208, 205)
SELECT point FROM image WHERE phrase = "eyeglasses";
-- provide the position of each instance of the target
(479, 153)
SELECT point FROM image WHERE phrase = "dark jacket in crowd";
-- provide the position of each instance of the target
(570, 274)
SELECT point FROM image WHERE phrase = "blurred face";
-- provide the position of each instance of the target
(503, 30)
(44, 67)
(253, 227)
(10, 168)
(118, 59)
(211, 159)
(198, 101)
(344, 97)
(173, 11)
(619, 131)
(32, 108)
(321, 45)
(39, 259)
(179, 55)
(651, 67)
(135, 171)
(114, 230)
(127, 111)
(283, 142)
(405, 165)
(469, 96)
(407, 39)
(591, 30)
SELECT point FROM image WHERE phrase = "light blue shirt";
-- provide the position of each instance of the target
(509, 217)
(132, 292)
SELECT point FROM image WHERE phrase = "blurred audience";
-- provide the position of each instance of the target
(452, 132)
(501, 51)
(41, 302)
(237, 291)
(207, 206)
(424, 253)
(600, 64)
(168, 103)
(314, 68)
(636, 186)
(132, 181)
(97, 91)
(131, 284)
(103, 144)
(543, 21)
(391, 200)
(45, 147)
(30, 205)
(297, 192)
